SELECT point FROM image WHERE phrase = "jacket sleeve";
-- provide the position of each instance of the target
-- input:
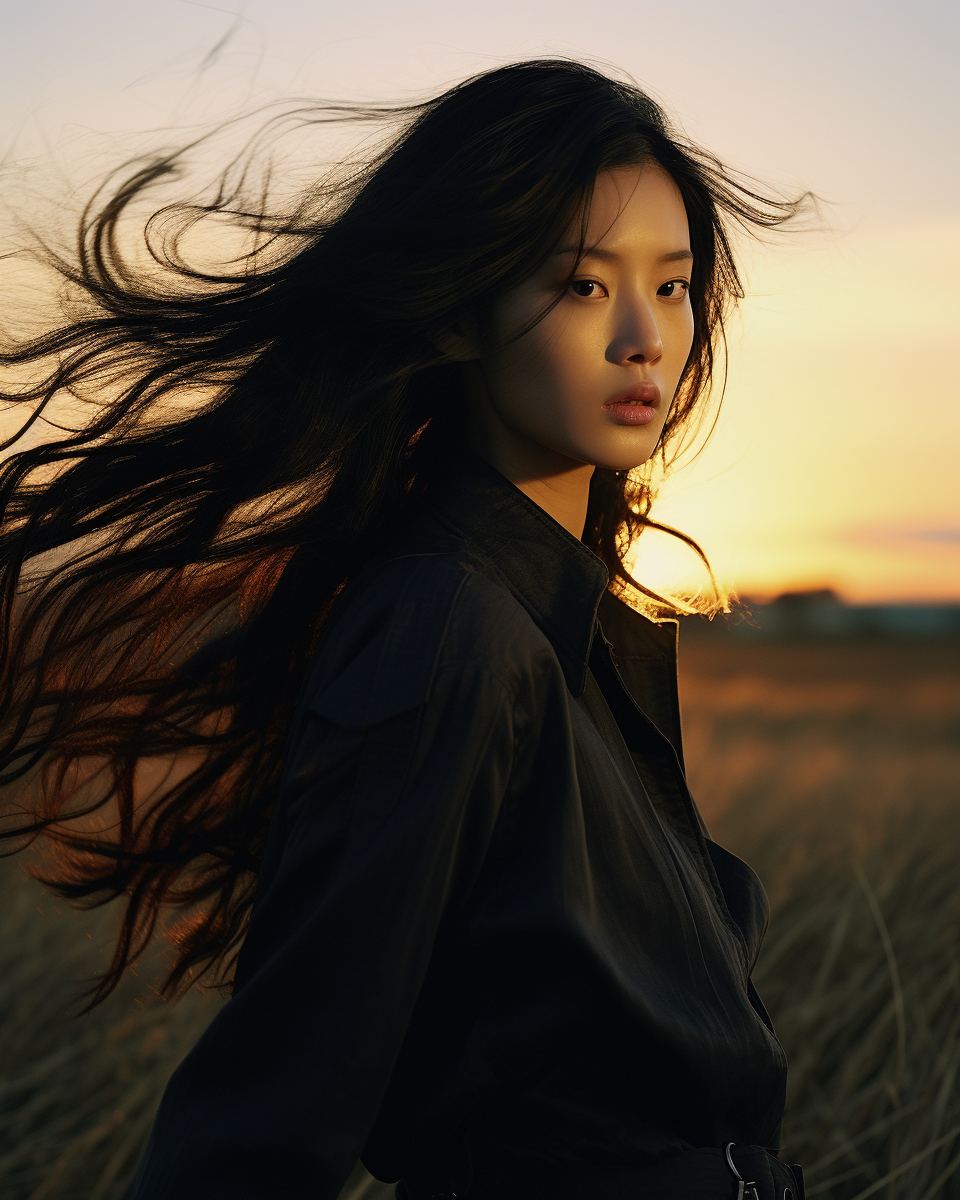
(383, 823)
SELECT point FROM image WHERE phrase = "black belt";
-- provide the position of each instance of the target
(736, 1173)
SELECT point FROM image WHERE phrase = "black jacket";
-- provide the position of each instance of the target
(491, 937)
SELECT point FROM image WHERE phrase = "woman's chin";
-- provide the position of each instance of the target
(624, 460)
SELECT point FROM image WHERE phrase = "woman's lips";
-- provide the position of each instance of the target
(636, 407)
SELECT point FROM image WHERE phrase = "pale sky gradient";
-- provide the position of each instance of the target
(835, 458)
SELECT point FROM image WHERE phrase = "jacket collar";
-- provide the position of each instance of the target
(553, 575)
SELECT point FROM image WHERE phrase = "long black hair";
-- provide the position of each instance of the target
(252, 435)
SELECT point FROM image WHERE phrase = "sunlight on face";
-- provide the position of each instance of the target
(592, 383)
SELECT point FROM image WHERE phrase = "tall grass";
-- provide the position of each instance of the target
(833, 769)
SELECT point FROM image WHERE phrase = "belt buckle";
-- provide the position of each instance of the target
(746, 1188)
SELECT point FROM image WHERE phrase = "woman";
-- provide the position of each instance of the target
(353, 630)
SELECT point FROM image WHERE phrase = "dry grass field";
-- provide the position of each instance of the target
(833, 768)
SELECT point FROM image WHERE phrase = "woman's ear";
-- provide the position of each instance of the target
(458, 342)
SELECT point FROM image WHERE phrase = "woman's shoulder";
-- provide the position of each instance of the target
(407, 621)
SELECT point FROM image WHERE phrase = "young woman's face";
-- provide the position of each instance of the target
(592, 383)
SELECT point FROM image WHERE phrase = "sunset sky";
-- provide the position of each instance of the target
(834, 462)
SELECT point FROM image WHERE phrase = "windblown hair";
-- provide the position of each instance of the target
(253, 435)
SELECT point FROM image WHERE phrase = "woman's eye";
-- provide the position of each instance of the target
(589, 289)
(675, 289)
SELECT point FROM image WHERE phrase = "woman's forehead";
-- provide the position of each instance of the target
(630, 208)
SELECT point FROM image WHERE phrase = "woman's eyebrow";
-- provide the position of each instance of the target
(597, 252)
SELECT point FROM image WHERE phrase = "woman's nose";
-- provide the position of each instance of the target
(637, 338)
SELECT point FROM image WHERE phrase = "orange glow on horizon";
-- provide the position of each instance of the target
(833, 463)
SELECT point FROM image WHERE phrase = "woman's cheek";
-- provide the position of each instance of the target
(683, 343)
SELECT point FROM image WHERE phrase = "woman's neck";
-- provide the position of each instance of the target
(558, 484)
(560, 488)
